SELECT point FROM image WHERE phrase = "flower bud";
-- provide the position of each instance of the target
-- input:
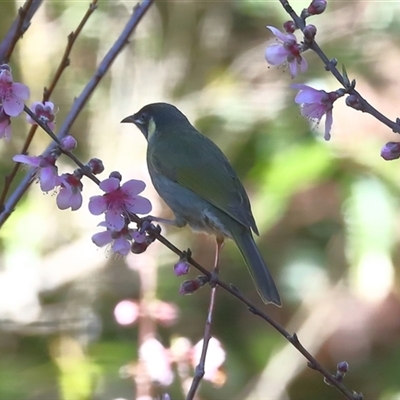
(181, 267)
(116, 174)
(390, 151)
(309, 32)
(5, 67)
(342, 368)
(289, 26)
(139, 248)
(316, 7)
(353, 102)
(96, 166)
(68, 143)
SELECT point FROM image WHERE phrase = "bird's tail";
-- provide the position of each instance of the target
(259, 272)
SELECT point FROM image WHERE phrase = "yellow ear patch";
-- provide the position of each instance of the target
(151, 128)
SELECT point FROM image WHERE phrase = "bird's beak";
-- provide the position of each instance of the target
(130, 119)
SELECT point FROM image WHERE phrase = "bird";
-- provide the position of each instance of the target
(198, 183)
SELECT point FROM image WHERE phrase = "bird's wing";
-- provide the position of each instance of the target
(203, 168)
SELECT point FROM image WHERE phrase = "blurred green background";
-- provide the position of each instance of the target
(73, 317)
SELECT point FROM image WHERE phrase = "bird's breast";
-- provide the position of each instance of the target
(189, 208)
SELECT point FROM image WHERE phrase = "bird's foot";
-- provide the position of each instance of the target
(146, 225)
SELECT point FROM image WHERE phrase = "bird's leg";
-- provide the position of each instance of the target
(215, 271)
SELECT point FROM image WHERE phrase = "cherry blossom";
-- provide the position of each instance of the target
(286, 51)
(12, 95)
(70, 195)
(315, 104)
(120, 240)
(45, 113)
(47, 170)
(118, 201)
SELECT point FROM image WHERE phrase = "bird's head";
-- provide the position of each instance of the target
(157, 116)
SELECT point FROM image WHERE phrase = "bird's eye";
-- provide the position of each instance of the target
(143, 117)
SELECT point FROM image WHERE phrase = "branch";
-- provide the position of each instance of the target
(18, 28)
(330, 65)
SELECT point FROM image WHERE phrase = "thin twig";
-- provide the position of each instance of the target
(200, 368)
(331, 66)
(293, 339)
(64, 63)
(79, 103)
(18, 28)
(8, 179)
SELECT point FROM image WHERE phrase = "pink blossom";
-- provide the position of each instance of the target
(47, 170)
(118, 201)
(215, 358)
(45, 113)
(315, 104)
(12, 95)
(120, 240)
(70, 194)
(157, 361)
(5, 125)
(287, 51)
(126, 312)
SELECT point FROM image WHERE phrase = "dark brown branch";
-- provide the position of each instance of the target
(18, 28)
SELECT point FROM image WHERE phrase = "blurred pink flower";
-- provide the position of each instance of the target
(47, 170)
(157, 361)
(119, 201)
(5, 125)
(120, 240)
(287, 51)
(314, 104)
(70, 194)
(126, 312)
(165, 313)
(215, 358)
(12, 95)
(45, 113)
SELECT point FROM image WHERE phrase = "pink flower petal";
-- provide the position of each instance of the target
(32, 161)
(13, 105)
(115, 220)
(303, 65)
(102, 238)
(63, 199)
(281, 36)
(276, 54)
(121, 246)
(76, 201)
(109, 184)
(139, 205)
(328, 125)
(20, 90)
(48, 178)
(97, 205)
(133, 187)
